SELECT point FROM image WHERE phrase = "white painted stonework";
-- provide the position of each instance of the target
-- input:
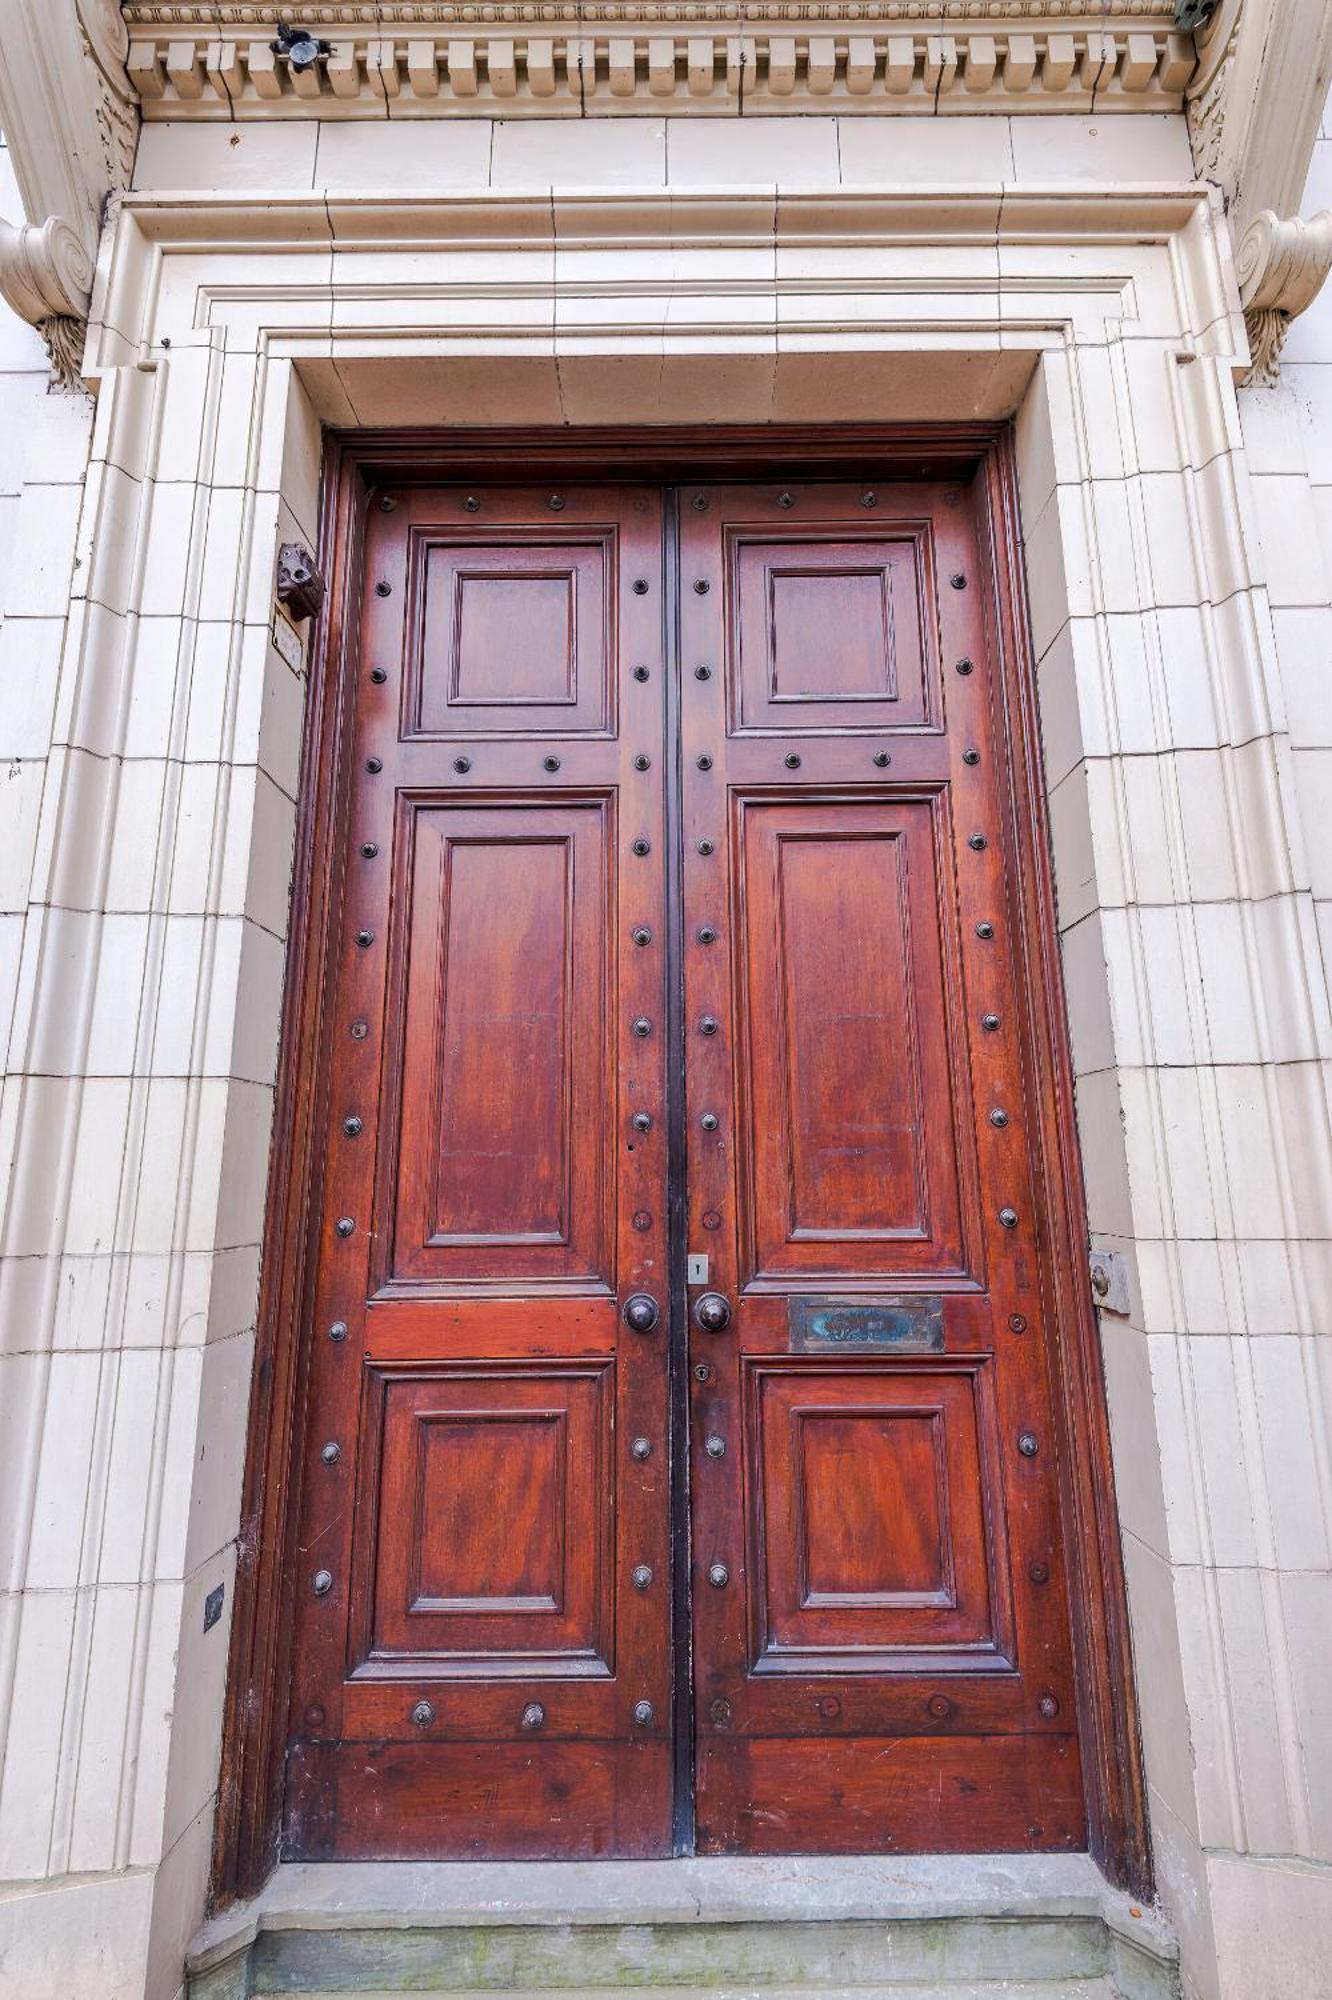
(268, 275)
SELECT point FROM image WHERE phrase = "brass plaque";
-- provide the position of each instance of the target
(910, 1323)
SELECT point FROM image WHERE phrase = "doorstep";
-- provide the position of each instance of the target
(1047, 1925)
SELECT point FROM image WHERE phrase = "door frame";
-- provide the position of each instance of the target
(245, 1844)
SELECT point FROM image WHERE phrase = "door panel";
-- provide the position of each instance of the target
(881, 1650)
(504, 1069)
(857, 1132)
(482, 1649)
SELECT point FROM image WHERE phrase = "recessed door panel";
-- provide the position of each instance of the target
(513, 634)
(857, 1122)
(505, 1080)
(830, 628)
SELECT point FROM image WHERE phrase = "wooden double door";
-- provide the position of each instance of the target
(678, 1462)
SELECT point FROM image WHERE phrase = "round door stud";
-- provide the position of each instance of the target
(533, 1715)
(642, 1577)
(423, 1715)
(322, 1582)
(709, 1025)
(338, 1330)
(713, 1313)
(641, 1313)
(642, 1121)
(643, 1714)
(640, 1449)
(709, 1121)
(718, 1575)
(1027, 1444)
(715, 1446)
(352, 1127)
(1008, 1218)
(331, 1452)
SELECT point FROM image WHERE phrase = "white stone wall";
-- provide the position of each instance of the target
(146, 860)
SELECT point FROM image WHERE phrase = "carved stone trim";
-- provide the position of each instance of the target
(544, 58)
(1281, 267)
(46, 277)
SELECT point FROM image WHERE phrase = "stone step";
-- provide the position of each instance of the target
(1024, 1927)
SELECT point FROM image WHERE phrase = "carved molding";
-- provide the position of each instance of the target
(1256, 98)
(1281, 267)
(546, 57)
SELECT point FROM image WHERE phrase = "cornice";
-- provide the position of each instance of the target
(551, 57)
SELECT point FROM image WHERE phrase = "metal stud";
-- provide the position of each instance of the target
(957, 580)
(374, 765)
(533, 1715)
(556, 503)
(462, 765)
(338, 1330)
(701, 586)
(1039, 1572)
(702, 1372)
(369, 849)
(964, 667)
(643, 1714)
(1027, 1444)
(1048, 1706)
(642, 847)
(702, 673)
(985, 930)
(715, 1447)
(642, 1027)
(705, 763)
(1008, 1218)
(990, 1023)
(939, 1707)
(709, 1025)
(792, 761)
(379, 675)
(550, 763)
(977, 843)
(642, 1121)
(353, 1127)
(642, 1577)
(322, 1582)
(869, 499)
(640, 1449)
(471, 504)
(642, 763)
(786, 500)
(971, 756)
(365, 939)
(718, 1575)
(642, 1220)
(707, 847)
(1017, 1322)
(709, 1121)
(642, 673)
(642, 935)
(700, 503)
(423, 1715)
(882, 760)
(359, 1029)
(387, 503)
(383, 588)
(344, 1225)
(707, 935)
(640, 586)
(998, 1116)
(331, 1452)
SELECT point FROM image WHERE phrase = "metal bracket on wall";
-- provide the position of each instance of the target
(1109, 1281)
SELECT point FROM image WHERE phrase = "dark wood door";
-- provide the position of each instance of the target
(483, 1639)
(881, 1635)
(677, 880)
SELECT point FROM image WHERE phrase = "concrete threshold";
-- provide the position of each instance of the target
(800, 1924)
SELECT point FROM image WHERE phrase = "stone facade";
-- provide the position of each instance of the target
(266, 276)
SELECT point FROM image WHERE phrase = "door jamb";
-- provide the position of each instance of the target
(245, 1845)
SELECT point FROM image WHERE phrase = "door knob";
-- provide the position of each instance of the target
(641, 1313)
(713, 1313)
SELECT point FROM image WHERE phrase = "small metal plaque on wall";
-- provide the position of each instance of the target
(911, 1323)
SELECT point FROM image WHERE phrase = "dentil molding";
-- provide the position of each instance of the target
(1281, 267)
(547, 57)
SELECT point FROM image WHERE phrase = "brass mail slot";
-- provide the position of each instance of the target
(910, 1323)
